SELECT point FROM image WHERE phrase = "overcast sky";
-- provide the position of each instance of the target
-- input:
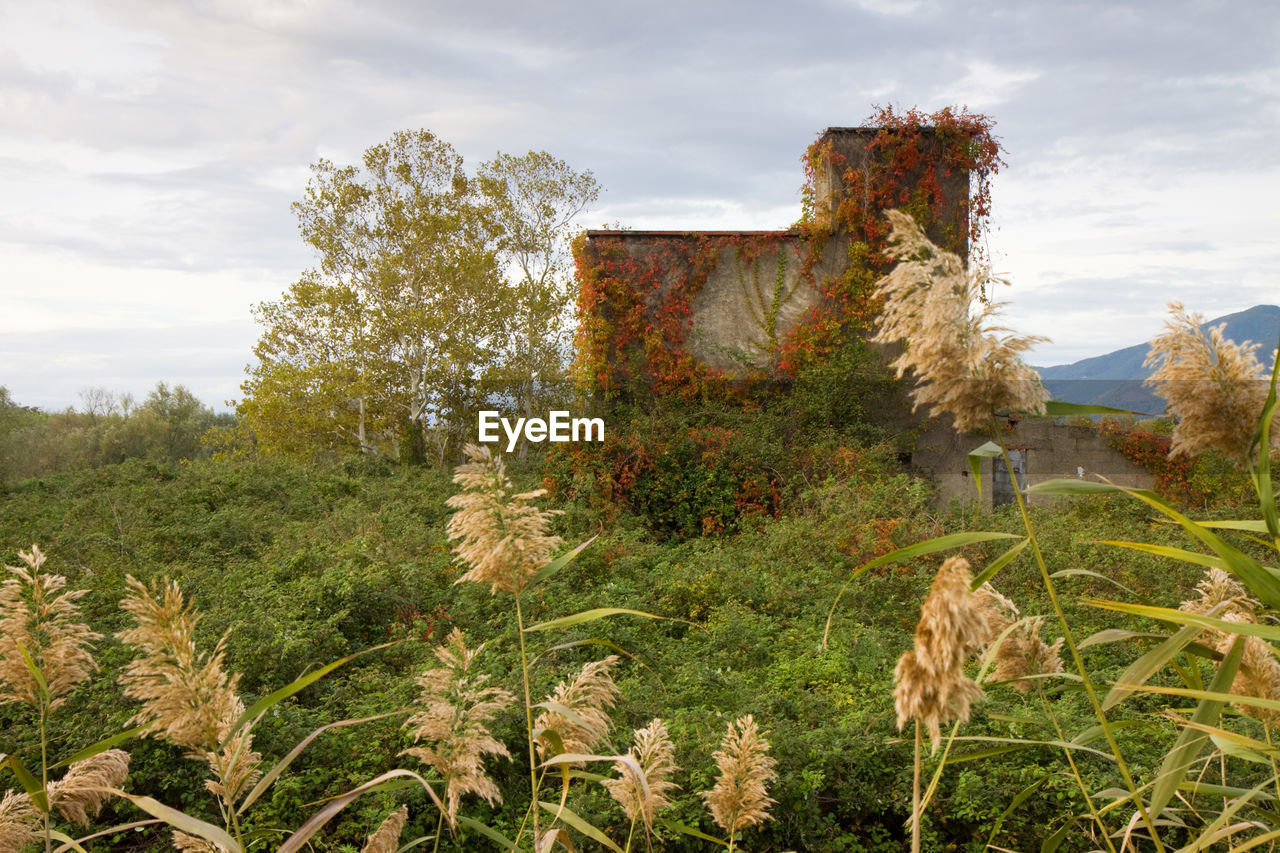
(149, 151)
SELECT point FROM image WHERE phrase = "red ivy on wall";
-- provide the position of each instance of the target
(635, 310)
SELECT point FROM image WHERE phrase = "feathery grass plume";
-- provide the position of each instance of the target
(20, 824)
(1022, 654)
(589, 696)
(1215, 387)
(1221, 596)
(931, 686)
(504, 540)
(79, 795)
(34, 616)
(740, 798)
(456, 710)
(655, 753)
(387, 838)
(188, 698)
(963, 363)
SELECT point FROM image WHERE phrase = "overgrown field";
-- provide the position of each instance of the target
(299, 566)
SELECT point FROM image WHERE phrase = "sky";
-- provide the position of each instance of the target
(149, 152)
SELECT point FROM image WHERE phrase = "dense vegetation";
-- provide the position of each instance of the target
(301, 565)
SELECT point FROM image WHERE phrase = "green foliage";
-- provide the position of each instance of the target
(387, 348)
(168, 426)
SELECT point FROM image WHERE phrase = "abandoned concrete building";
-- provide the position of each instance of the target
(679, 307)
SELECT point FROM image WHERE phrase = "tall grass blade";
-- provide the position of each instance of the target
(29, 783)
(570, 817)
(271, 775)
(1088, 573)
(1262, 441)
(182, 820)
(929, 546)
(1181, 554)
(1189, 742)
(684, 829)
(1148, 665)
(999, 563)
(1168, 614)
(41, 684)
(1067, 487)
(591, 641)
(316, 822)
(1251, 525)
(1062, 409)
(1214, 695)
(1053, 842)
(488, 832)
(1260, 581)
(559, 563)
(277, 696)
(1018, 799)
(1111, 635)
(99, 747)
(69, 843)
(976, 456)
(594, 614)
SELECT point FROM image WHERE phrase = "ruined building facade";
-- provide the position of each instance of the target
(716, 313)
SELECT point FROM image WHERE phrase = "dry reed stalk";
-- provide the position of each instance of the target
(36, 617)
(188, 698)
(963, 363)
(740, 798)
(954, 623)
(503, 539)
(589, 696)
(456, 710)
(81, 793)
(387, 837)
(20, 824)
(1215, 387)
(641, 798)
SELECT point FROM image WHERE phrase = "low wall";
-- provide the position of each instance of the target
(1048, 450)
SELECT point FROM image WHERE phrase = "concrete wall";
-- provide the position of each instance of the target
(741, 313)
(1050, 451)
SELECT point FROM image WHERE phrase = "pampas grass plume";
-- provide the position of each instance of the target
(456, 707)
(930, 684)
(19, 822)
(590, 695)
(641, 798)
(387, 838)
(1215, 387)
(81, 793)
(964, 364)
(37, 617)
(501, 537)
(740, 798)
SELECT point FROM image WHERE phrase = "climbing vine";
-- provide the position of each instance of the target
(635, 306)
(1148, 448)
(636, 322)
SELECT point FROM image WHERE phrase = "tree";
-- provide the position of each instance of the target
(373, 347)
(398, 336)
(533, 200)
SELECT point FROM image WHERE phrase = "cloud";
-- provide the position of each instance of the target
(150, 151)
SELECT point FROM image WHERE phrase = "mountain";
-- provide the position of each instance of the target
(1115, 379)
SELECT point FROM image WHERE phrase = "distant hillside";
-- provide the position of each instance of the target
(1115, 379)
